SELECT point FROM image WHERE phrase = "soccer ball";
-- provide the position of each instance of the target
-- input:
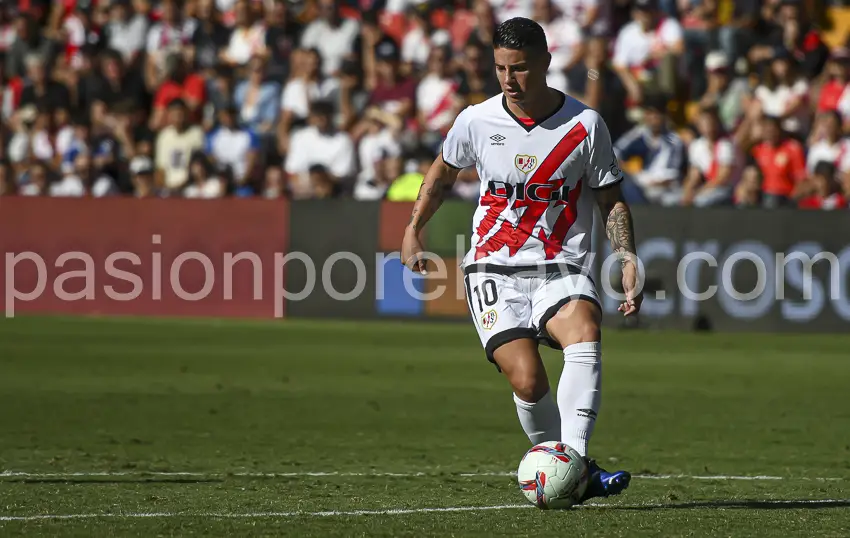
(552, 475)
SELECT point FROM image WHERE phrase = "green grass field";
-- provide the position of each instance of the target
(160, 428)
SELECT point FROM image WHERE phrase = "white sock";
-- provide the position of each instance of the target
(539, 420)
(579, 394)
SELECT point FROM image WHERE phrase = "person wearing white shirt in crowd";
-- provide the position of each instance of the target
(248, 38)
(715, 164)
(231, 146)
(379, 154)
(126, 31)
(172, 34)
(333, 36)
(36, 181)
(646, 49)
(437, 99)
(320, 143)
(203, 183)
(826, 143)
(784, 93)
(421, 37)
(81, 181)
(565, 39)
(306, 85)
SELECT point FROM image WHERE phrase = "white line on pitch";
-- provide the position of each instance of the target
(399, 511)
(201, 475)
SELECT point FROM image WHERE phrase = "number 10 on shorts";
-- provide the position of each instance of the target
(482, 296)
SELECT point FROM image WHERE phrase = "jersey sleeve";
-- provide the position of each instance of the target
(458, 150)
(602, 168)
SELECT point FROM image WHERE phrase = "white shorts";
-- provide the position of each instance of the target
(509, 303)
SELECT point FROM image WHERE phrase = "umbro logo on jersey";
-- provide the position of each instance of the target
(497, 140)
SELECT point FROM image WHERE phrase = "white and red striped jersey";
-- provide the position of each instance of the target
(535, 204)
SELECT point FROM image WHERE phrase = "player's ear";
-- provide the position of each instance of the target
(547, 60)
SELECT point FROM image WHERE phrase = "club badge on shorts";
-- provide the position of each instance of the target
(488, 319)
(525, 163)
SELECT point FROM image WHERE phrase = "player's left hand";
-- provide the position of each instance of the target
(634, 298)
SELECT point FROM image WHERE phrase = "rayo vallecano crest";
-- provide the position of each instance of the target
(525, 163)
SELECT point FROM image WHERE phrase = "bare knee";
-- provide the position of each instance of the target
(576, 322)
(529, 386)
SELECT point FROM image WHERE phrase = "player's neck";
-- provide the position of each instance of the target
(537, 107)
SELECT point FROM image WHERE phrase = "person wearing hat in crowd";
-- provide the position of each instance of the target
(142, 177)
(724, 90)
(661, 153)
(393, 93)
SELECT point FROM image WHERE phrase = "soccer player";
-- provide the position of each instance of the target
(544, 160)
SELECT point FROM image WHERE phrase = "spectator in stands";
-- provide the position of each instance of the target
(724, 91)
(180, 83)
(379, 154)
(661, 154)
(406, 186)
(258, 100)
(333, 36)
(36, 180)
(782, 163)
(233, 147)
(825, 144)
(174, 147)
(210, 38)
(203, 182)
(421, 38)
(307, 85)
(565, 40)
(714, 164)
(142, 177)
(825, 192)
(113, 83)
(29, 43)
(82, 180)
(324, 184)
(283, 33)
(736, 36)
(748, 191)
(592, 16)
(784, 93)
(699, 20)
(41, 91)
(248, 39)
(126, 31)
(320, 143)
(171, 35)
(646, 51)
(477, 80)
(394, 94)
(437, 100)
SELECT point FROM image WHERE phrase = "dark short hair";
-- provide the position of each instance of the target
(825, 168)
(520, 33)
(177, 103)
(322, 108)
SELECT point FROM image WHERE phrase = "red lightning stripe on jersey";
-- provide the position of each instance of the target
(553, 244)
(516, 237)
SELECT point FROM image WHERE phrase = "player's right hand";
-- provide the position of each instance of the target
(411, 252)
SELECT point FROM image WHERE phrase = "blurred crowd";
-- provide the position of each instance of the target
(709, 102)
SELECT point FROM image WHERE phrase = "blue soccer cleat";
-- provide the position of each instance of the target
(601, 483)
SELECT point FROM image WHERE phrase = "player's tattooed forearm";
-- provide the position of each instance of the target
(621, 231)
